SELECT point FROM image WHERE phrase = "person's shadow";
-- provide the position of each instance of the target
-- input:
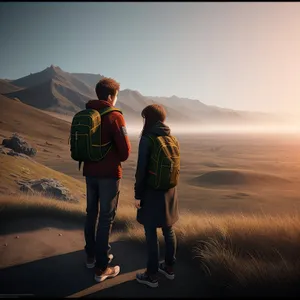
(66, 274)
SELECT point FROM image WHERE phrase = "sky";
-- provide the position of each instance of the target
(238, 55)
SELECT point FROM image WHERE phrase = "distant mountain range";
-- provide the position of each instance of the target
(58, 91)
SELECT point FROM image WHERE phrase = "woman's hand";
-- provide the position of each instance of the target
(138, 204)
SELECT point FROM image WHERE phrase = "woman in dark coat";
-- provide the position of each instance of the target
(156, 208)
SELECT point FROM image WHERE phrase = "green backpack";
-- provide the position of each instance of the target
(85, 135)
(164, 165)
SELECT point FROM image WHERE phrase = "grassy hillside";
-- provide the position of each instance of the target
(31, 122)
(13, 169)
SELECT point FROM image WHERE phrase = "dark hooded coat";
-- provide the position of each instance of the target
(158, 208)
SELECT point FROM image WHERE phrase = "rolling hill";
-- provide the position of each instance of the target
(31, 122)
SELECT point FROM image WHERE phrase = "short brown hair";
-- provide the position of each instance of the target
(105, 87)
(152, 114)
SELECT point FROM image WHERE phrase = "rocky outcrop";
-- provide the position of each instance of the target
(48, 187)
(19, 145)
(13, 153)
(7, 151)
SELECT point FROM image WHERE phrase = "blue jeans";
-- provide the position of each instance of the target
(153, 247)
(106, 192)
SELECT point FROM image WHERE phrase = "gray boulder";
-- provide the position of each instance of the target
(48, 187)
(19, 145)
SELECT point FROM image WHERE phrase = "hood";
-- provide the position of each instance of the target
(160, 129)
(97, 104)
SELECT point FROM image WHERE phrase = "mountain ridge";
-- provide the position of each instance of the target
(59, 91)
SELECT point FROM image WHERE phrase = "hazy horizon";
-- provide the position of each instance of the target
(241, 56)
(134, 127)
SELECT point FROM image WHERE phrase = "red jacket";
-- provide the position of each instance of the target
(111, 130)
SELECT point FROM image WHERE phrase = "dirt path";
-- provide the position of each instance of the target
(50, 262)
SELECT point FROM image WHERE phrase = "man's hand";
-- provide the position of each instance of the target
(138, 204)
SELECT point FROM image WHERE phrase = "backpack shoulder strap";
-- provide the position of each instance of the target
(108, 110)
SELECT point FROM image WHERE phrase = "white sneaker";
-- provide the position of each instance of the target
(110, 272)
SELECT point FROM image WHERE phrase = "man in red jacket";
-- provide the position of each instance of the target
(103, 180)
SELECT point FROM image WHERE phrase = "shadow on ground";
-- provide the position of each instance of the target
(66, 275)
(61, 275)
